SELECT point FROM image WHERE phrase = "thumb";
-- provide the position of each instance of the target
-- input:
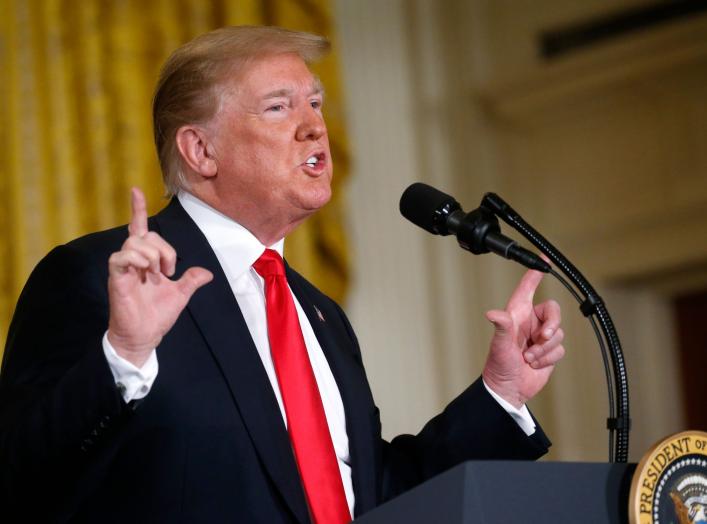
(502, 322)
(192, 279)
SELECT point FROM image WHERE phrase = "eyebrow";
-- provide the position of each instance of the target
(317, 89)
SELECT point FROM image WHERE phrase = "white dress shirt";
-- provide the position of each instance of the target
(236, 250)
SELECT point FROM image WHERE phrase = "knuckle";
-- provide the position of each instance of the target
(549, 356)
(132, 242)
(555, 356)
(151, 252)
(152, 236)
(130, 257)
(168, 251)
(551, 308)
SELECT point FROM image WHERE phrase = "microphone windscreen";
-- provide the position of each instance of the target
(421, 205)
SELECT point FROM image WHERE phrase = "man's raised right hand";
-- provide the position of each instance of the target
(144, 302)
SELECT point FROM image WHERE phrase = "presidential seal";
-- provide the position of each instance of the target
(670, 483)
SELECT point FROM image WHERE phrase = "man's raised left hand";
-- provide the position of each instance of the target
(526, 345)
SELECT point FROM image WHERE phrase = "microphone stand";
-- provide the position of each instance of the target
(592, 306)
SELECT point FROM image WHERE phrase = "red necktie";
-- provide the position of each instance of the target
(306, 421)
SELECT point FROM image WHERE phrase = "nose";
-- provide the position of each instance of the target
(311, 126)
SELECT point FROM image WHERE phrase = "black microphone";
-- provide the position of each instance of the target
(477, 231)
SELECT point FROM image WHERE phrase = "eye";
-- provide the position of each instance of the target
(316, 104)
(276, 108)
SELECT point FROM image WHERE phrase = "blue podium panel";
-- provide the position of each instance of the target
(499, 492)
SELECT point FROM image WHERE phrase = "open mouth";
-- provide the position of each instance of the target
(315, 160)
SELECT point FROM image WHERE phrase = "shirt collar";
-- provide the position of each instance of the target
(235, 246)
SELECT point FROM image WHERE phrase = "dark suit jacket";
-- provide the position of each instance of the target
(208, 443)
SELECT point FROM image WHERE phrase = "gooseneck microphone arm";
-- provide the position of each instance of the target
(592, 306)
(479, 232)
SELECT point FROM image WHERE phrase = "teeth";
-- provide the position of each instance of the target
(311, 161)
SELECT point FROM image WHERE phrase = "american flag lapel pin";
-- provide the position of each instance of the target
(319, 314)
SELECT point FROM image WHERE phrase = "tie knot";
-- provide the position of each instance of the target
(270, 264)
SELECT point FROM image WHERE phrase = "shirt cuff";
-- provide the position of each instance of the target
(133, 382)
(521, 416)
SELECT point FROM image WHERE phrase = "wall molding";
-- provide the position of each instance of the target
(589, 72)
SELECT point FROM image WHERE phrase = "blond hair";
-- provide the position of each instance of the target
(188, 90)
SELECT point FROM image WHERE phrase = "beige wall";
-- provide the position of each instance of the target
(604, 151)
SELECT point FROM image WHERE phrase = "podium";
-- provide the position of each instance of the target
(498, 492)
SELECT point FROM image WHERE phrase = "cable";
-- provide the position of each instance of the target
(604, 358)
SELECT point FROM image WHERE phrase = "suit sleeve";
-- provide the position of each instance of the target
(57, 395)
(472, 427)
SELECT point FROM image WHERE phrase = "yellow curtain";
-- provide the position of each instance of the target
(76, 81)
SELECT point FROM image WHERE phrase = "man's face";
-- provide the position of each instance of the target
(271, 146)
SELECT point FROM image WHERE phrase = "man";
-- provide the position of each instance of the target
(197, 386)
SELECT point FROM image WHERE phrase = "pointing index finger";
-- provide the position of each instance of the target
(525, 291)
(138, 220)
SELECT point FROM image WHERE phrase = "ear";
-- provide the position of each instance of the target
(196, 151)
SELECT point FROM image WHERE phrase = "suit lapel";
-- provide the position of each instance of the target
(353, 386)
(217, 315)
